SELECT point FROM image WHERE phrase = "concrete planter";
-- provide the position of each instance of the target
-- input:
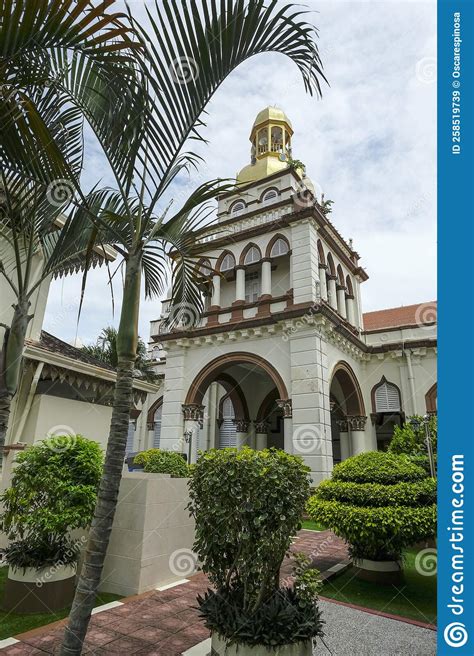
(219, 648)
(386, 572)
(39, 590)
(152, 535)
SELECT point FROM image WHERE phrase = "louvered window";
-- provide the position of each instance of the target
(237, 208)
(270, 196)
(227, 437)
(157, 429)
(130, 436)
(252, 256)
(387, 398)
(228, 262)
(280, 247)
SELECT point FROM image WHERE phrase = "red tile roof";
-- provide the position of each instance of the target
(407, 315)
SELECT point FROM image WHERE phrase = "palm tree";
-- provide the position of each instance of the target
(56, 59)
(105, 350)
(193, 48)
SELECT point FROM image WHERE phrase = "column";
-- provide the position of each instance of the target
(266, 277)
(350, 309)
(344, 438)
(261, 431)
(332, 292)
(304, 261)
(358, 437)
(341, 300)
(240, 283)
(193, 415)
(216, 291)
(322, 282)
(286, 406)
(241, 432)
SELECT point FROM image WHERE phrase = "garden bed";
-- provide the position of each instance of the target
(11, 624)
(415, 599)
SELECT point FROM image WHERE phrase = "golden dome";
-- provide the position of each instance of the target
(271, 114)
(271, 145)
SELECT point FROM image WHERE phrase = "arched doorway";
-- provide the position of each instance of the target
(242, 388)
(348, 417)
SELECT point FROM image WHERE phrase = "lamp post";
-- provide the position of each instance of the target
(188, 438)
(425, 421)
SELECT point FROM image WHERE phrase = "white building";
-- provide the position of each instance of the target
(283, 355)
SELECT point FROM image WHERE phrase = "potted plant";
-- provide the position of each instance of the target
(248, 505)
(157, 461)
(380, 503)
(53, 492)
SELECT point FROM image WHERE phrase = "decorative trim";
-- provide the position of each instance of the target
(286, 406)
(193, 411)
(261, 427)
(241, 425)
(357, 423)
(343, 425)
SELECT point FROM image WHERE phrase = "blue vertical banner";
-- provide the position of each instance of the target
(456, 327)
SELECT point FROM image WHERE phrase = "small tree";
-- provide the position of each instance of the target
(53, 491)
(410, 439)
(247, 505)
(379, 503)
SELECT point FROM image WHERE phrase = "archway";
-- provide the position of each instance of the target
(242, 388)
(347, 413)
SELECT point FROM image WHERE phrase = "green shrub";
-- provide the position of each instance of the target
(410, 440)
(53, 491)
(379, 503)
(156, 461)
(248, 504)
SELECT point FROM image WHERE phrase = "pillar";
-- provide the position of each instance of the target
(286, 406)
(240, 283)
(193, 416)
(332, 292)
(358, 437)
(261, 431)
(216, 291)
(341, 300)
(343, 425)
(351, 318)
(322, 282)
(241, 432)
(266, 277)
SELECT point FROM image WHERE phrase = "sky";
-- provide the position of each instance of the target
(369, 144)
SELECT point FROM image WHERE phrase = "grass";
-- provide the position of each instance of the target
(310, 525)
(11, 624)
(414, 599)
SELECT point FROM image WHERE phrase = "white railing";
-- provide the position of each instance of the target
(244, 224)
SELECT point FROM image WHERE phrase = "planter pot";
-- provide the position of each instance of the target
(386, 572)
(39, 590)
(219, 648)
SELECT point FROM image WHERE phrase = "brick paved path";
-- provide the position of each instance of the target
(161, 623)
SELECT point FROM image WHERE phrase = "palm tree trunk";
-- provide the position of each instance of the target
(10, 362)
(86, 591)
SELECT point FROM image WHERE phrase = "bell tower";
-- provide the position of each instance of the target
(271, 145)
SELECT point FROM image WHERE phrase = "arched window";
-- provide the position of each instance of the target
(252, 256)
(387, 397)
(205, 269)
(157, 426)
(228, 262)
(280, 247)
(237, 208)
(227, 435)
(270, 196)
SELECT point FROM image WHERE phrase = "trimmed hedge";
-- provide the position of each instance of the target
(379, 503)
(156, 461)
(378, 467)
(378, 495)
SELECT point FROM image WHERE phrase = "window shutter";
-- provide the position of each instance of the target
(227, 436)
(130, 436)
(157, 429)
(387, 398)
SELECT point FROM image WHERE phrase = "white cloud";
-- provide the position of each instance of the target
(370, 143)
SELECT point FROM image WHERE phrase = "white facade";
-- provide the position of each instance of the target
(283, 337)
